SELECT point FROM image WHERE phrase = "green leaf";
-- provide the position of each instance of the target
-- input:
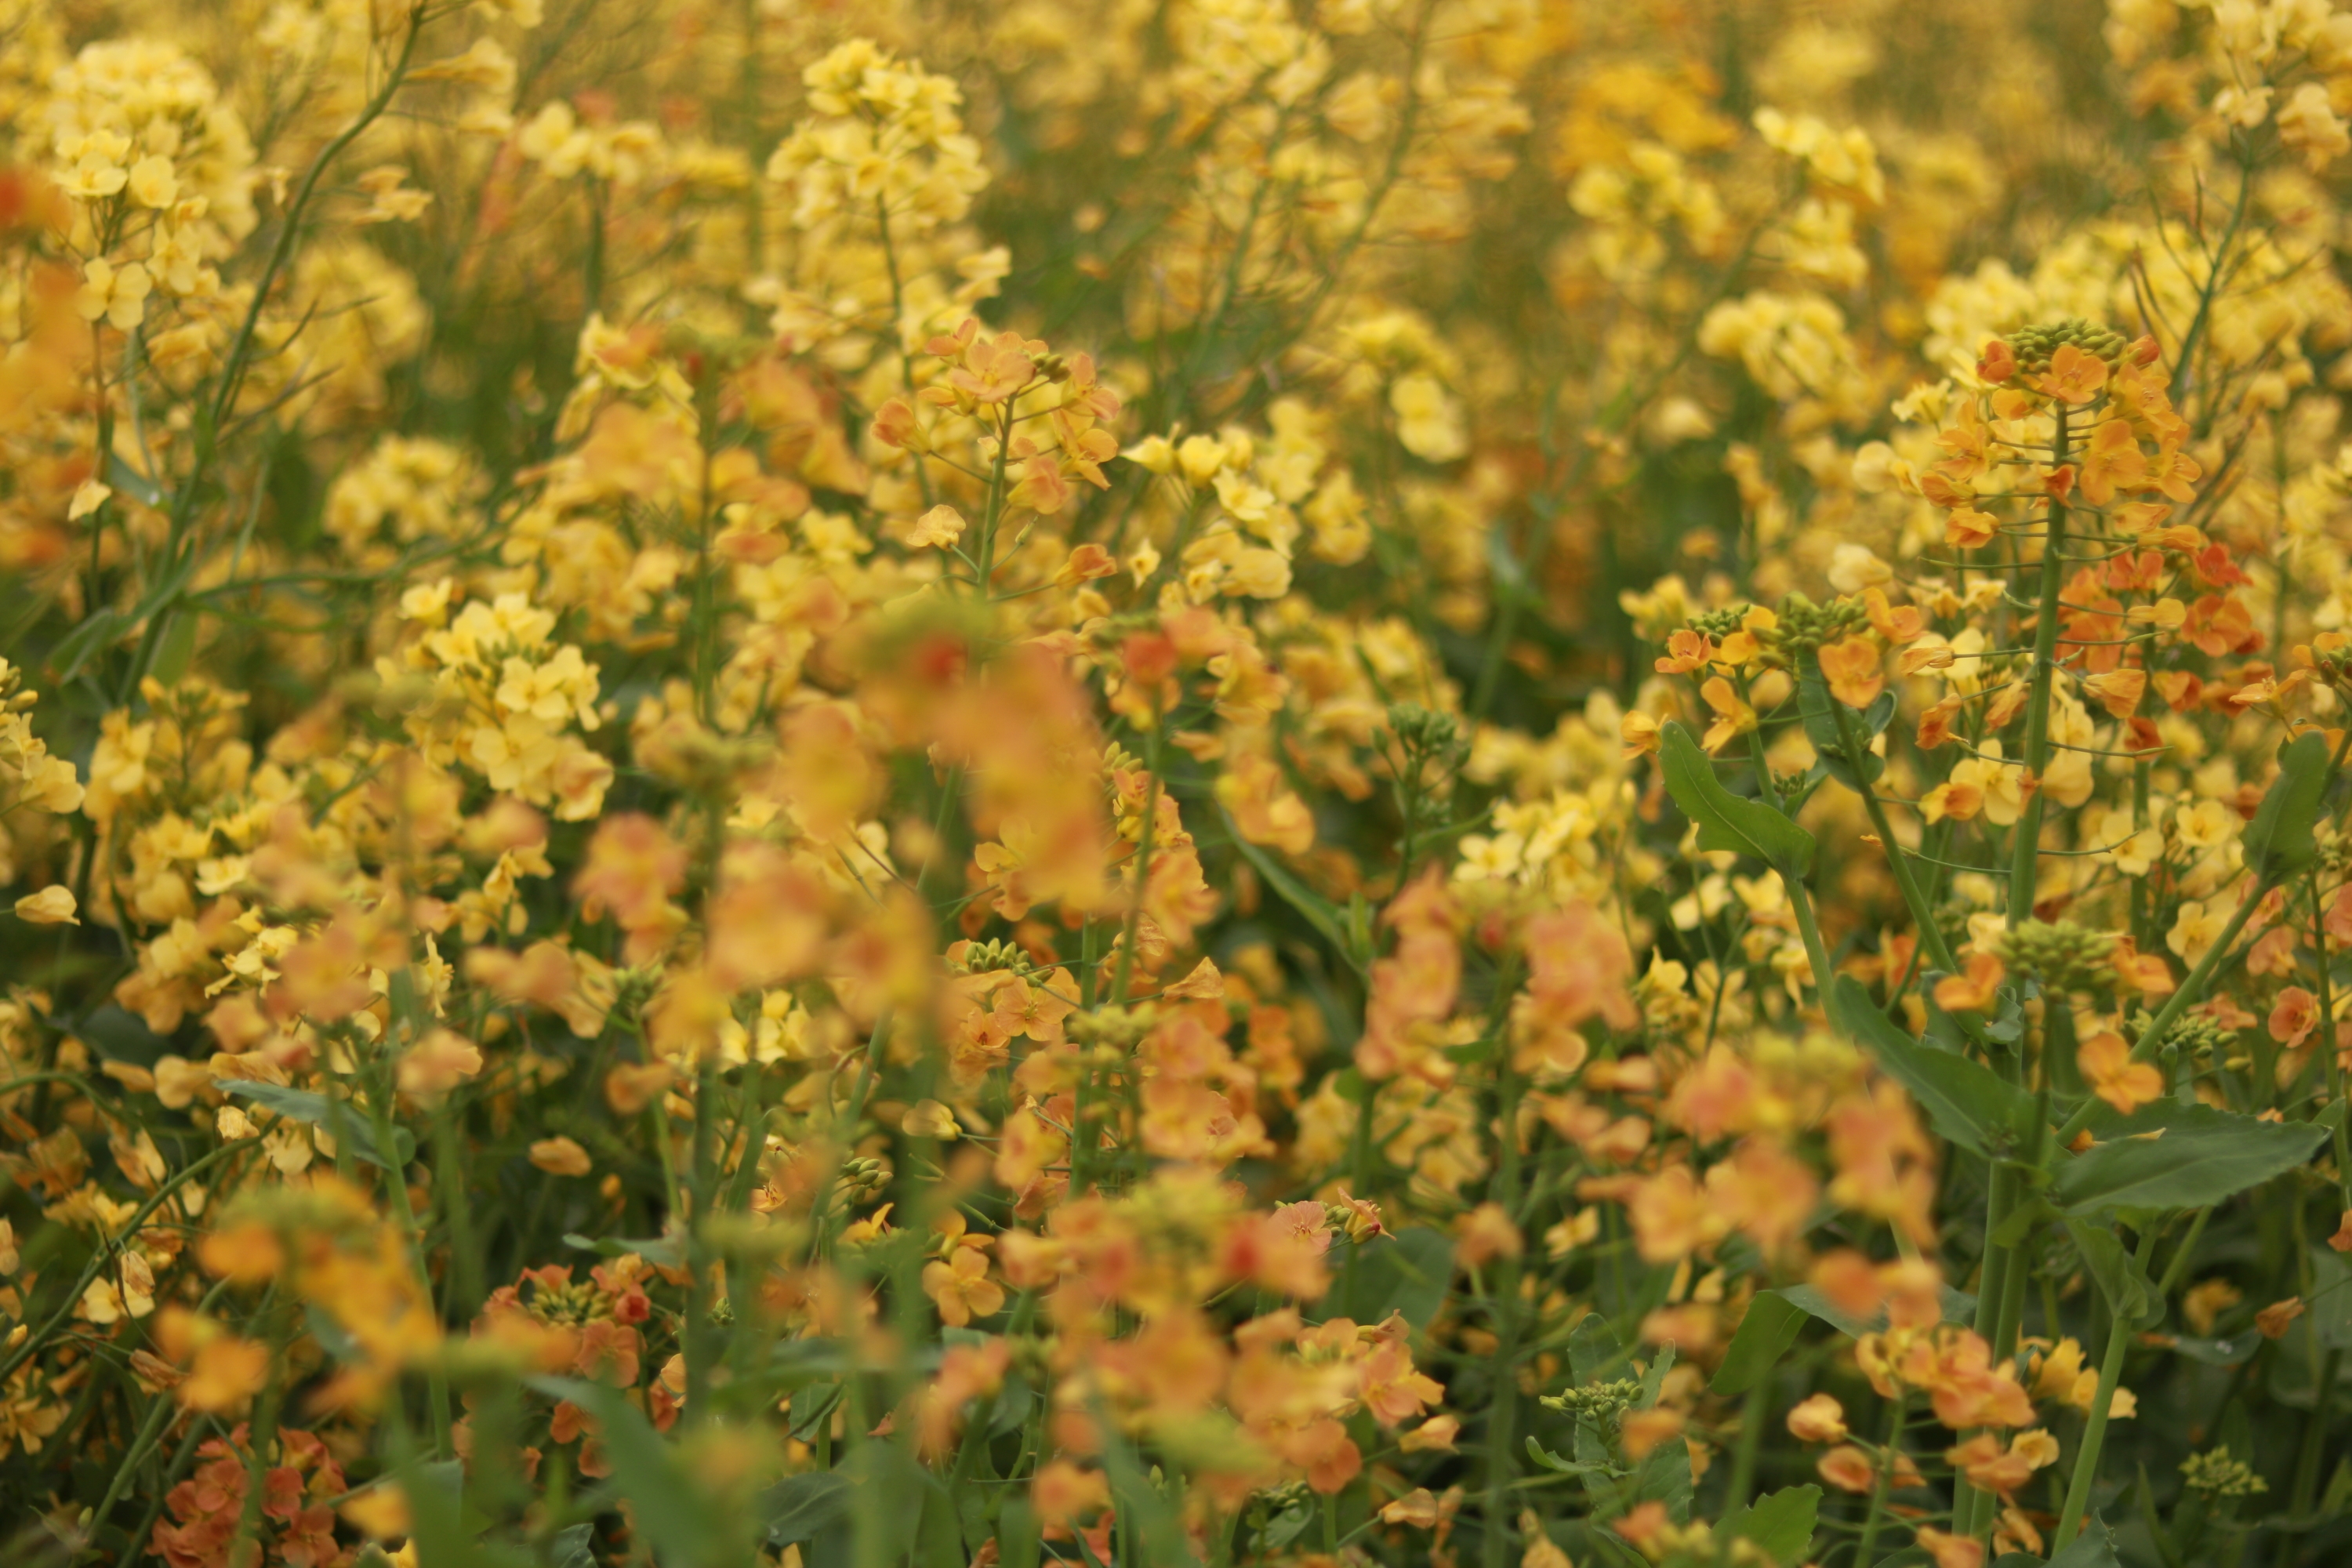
(2204, 1156)
(2231, 1351)
(1020, 1537)
(177, 646)
(1321, 913)
(2095, 1548)
(663, 1251)
(310, 1106)
(1407, 1272)
(668, 1506)
(1653, 1382)
(1781, 1523)
(1960, 1307)
(1665, 1477)
(2121, 1280)
(75, 647)
(571, 1547)
(1764, 1336)
(2278, 842)
(797, 1506)
(1728, 821)
(2331, 1297)
(1968, 1103)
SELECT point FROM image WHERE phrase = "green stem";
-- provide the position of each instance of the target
(1753, 1412)
(2095, 1433)
(2025, 851)
(1914, 899)
(1879, 1488)
(2178, 1003)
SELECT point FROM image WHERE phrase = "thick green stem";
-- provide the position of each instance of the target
(2025, 852)
(1801, 904)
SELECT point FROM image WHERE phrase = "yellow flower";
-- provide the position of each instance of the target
(115, 294)
(53, 905)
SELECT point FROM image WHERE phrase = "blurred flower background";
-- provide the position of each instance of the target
(1137, 783)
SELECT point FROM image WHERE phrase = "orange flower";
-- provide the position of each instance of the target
(1732, 716)
(1976, 990)
(1854, 670)
(2107, 1067)
(1848, 1468)
(2275, 1319)
(2293, 1017)
(961, 1288)
(2118, 691)
(1955, 1550)
(1966, 528)
(2074, 377)
(1818, 1419)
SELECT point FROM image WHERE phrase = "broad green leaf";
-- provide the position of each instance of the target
(2278, 842)
(1020, 1539)
(1727, 821)
(2203, 1156)
(310, 1106)
(663, 1251)
(668, 1508)
(1320, 912)
(2229, 1351)
(797, 1506)
(571, 1546)
(1653, 1382)
(1665, 1477)
(2121, 1280)
(2331, 1297)
(1780, 1524)
(1593, 1353)
(1968, 1103)
(1406, 1272)
(2095, 1548)
(1764, 1336)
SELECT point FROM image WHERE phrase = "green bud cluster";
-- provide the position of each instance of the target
(568, 1305)
(2198, 1039)
(862, 1177)
(2063, 955)
(2035, 345)
(1599, 1403)
(1425, 731)
(2216, 1475)
(1806, 627)
(1719, 624)
(996, 952)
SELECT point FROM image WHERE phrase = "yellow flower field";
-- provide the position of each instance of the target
(1175, 784)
